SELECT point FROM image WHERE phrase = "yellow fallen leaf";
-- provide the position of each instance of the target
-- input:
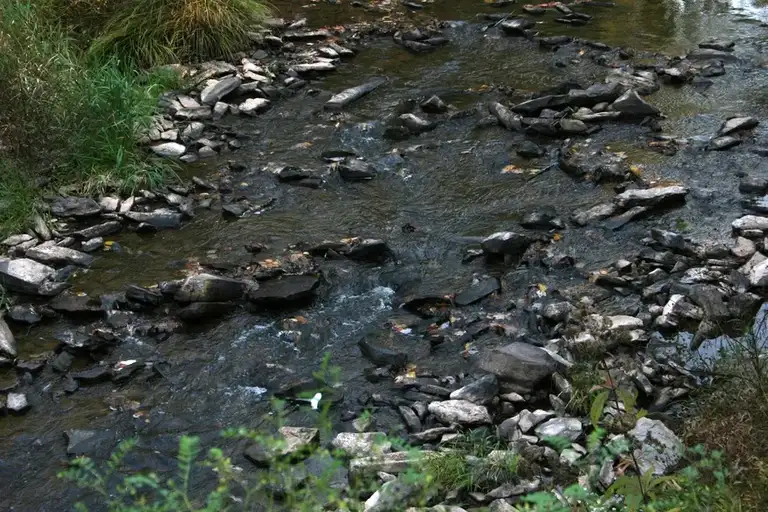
(542, 287)
(635, 169)
(557, 237)
(109, 243)
(511, 169)
(581, 52)
(411, 371)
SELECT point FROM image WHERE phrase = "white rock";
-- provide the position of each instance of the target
(460, 411)
(624, 323)
(758, 276)
(754, 261)
(527, 420)
(24, 275)
(252, 106)
(169, 149)
(362, 444)
(744, 248)
(17, 402)
(660, 448)
(218, 89)
(750, 222)
(16, 240)
(569, 428)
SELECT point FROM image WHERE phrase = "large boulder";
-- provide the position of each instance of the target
(506, 243)
(24, 275)
(55, 255)
(74, 207)
(285, 291)
(209, 288)
(519, 364)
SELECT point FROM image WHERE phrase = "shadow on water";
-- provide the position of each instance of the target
(446, 183)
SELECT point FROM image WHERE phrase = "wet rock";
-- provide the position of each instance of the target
(529, 149)
(482, 391)
(630, 103)
(650, 197)
(62, 362)
(701, 54)
(89, 442)
(17, 403)
(434, 105)
(217, 90)
(415, 124)
(76, 304)
(506, 117)
(660, 449)
(143, 295)
(313, 67)
(353, 169)
(460, 411)
(25, 314)
(285, 291)
(7, 341)
(24, 275)
(68, 206)
(478, 291)
(628, 216)
(516, 26)
(758, 275)
(253, 106)
(201, 311)
(56, 255)
(97, 373)
(209, 288)
(370, 249)
(554, 40)
(716, 44)
(347, 96)
(594, 94)
(737, 124)
(536, 105)
(723, 143)
(169, 149)
(542, 220)
(381, 356)
(161, 218)
(506, 243)
(94, 244)
(518, 363)
(593, 214)
(363, 444)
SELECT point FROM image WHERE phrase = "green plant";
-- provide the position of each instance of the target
(153, 32)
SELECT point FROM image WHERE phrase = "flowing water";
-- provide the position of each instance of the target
(448, 185)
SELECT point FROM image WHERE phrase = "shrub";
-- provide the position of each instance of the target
(155, 32)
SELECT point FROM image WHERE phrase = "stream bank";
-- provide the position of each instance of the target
(441, 182)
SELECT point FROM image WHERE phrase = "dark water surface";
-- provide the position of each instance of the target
(448, 185)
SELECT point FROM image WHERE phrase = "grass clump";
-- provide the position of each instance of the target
(155, 32)
(475, 461)
(68, 119)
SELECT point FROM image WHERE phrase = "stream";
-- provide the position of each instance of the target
(446, 188)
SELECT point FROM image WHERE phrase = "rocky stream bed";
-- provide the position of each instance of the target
(455, 204)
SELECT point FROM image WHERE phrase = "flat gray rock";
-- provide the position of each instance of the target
(24, 275)
(55, 255)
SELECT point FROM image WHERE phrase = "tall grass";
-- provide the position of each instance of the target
(67, 118)
(154, 32)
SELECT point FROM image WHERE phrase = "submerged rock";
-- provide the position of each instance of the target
(353, 169)
(89, 442)
(381, 356)
(434, 105)
(161, 218)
